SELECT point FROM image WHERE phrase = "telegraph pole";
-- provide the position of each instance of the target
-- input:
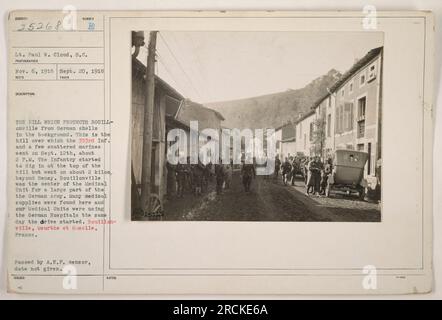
(148, 125)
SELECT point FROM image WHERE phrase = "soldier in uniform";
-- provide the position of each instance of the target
(189, 176)
(197, 177)
(248, 173)
(277, 166)
(180, 178)
(286, 168)
(325, 175)
(317, 172)
(295, 169)
(219, 173)
(229, 173)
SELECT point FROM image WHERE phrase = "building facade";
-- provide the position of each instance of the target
(348, 116)
(305, 134)
(288, 140)
(357, 110)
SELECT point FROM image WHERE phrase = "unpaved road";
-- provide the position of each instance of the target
(269, 200)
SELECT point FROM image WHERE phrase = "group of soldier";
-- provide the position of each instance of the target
(314, 171)
(196, 178)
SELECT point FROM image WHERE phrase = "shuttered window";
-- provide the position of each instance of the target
(348, 116)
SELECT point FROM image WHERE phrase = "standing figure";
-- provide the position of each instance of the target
(171, 180)
(325, 175)
(295, 169)
(228, 176)
(319, 168)
(311, 176)
(189, 176)
(206, 177)
(219, 173)
(305, 170)
(197, 178)
(277, 166)
(286, 168)
(248, 173)
(180, 172)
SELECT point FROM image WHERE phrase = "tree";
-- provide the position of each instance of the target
(319, 134)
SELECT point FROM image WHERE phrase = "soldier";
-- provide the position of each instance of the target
(277, 166)
(219, 173)
(206, 177)
(286, 168)
(317, 172)
(229, 173)
(295, 169)
(189, 176)
(180, 178)
(325, 174)
(171, 178)
(209, 171)
(305, 170)
(310, 185)
(248, 173)
(197, 177)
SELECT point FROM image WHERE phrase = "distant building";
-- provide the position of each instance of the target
(288, 140)
(278, 138)
(348, 116)
(166, 103)
(171, 111)
(207, 118)
(304, 134)
(357, 112)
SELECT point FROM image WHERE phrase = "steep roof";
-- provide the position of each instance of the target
(139, 70)
(356, 67)
(197, 107)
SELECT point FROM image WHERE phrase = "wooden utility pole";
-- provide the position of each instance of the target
(148, 125)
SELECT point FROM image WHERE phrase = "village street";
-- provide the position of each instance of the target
(269, 200)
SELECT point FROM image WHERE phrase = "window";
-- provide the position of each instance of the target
(329, 102)
(362, 103)
(360, 147)
(351, 87)
(329, 125)
(361, 128)
(340, 119)
(372, 72)
(348, 116)
(342, 92)
(362, 80)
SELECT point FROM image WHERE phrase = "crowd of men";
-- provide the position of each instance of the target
(314, 171)
(196, 178)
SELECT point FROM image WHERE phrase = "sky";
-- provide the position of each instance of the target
(221, 66)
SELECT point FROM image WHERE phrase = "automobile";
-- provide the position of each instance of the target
(348, 173)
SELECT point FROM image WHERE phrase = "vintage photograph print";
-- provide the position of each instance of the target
(256, 126)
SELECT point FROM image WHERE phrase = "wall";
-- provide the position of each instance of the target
(348, 139)
(303, 143)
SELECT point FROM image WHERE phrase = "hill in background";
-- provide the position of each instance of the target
(273, 110)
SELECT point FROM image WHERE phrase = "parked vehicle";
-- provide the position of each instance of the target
(348, 173)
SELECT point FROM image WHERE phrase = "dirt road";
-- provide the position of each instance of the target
(269, 200)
